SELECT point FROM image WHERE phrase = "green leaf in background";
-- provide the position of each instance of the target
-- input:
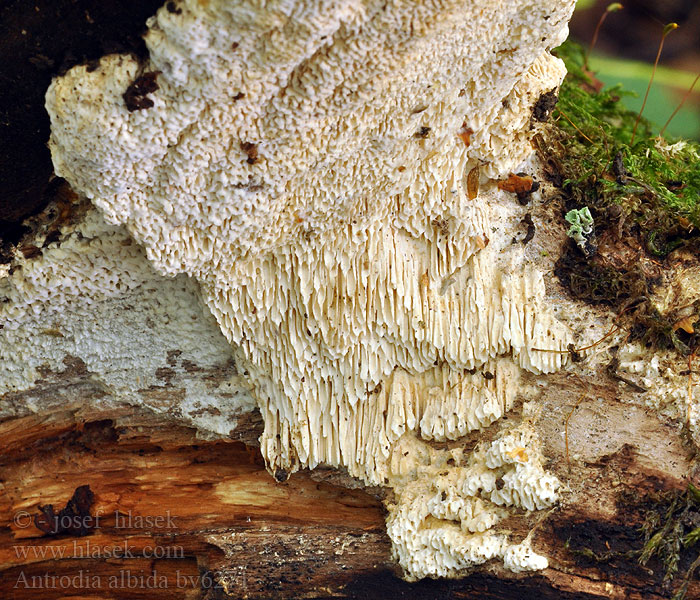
(668, 89)
(666, 93)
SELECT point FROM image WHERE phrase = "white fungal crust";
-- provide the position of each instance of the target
(447, 503)
(301, 161)
(90, 297)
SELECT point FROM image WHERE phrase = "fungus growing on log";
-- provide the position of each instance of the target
(90, 309)
(366, 329)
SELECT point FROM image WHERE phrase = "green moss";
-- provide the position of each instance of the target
(669, 537)
(640, 188)
(655, 181)
(602, 558)
(671, 530)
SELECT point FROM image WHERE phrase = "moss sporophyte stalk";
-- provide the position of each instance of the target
(642, 191)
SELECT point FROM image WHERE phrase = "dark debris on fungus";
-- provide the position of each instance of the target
(136, 95)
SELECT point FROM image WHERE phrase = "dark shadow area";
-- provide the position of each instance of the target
(38, 40)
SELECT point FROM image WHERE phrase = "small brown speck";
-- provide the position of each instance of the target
(473, 183)
(465, 134)
(251, 150)
(135, 96)
(165, 373)
(442, 225)
(93, 65)
(74, 519)
(482, 241)
(527, 220)
(619, 168)
(422, 133)
(573, 354)
(544, 106)
(30, 251)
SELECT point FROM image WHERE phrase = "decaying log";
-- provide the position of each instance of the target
(221, 527)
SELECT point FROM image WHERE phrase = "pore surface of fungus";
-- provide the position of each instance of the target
(304, 162)
(80, 301)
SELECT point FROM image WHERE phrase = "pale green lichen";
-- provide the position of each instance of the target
(581, 225)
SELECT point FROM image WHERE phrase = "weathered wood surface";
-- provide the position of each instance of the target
(160, 491)
(179, 517)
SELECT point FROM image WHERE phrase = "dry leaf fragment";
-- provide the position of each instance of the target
(516, 184)
(465, 134)
(251, 151)
(473, 183)
(482, 241)
(686, 324)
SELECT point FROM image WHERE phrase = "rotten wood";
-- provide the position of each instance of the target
(182, 517)
(177, 516)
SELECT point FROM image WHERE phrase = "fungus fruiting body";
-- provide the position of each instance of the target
(309, 165)
(90, 303)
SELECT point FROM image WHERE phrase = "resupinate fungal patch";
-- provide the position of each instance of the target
(302, 162)
(88, 299)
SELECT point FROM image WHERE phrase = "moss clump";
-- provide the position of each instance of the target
(669, 538)
(671, 533)
(643, 193)
(655, 183)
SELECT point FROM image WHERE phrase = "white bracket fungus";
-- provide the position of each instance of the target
(302, 162)
(447, 503)
(87, 298)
